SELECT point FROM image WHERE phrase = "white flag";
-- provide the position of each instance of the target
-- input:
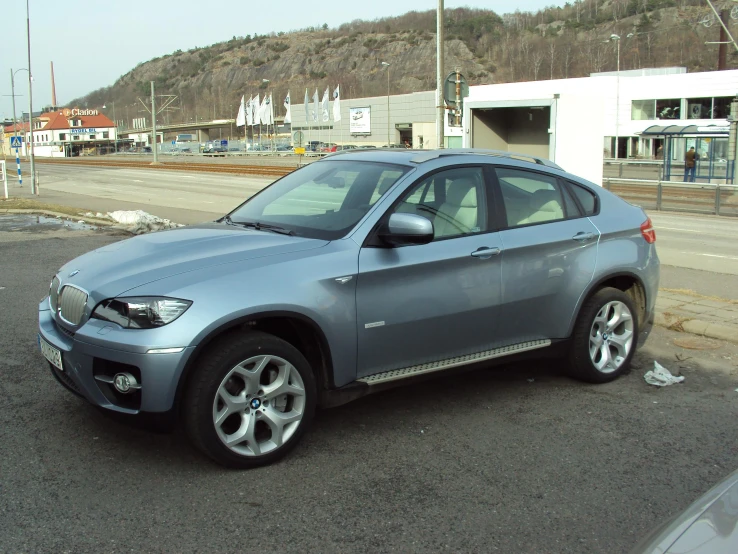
(241, 117)
(326, 113)
(257, 111)
(307, 106)
(316, 105)
(250, 111)
(288, 109)
(269, 110)
(337, 104)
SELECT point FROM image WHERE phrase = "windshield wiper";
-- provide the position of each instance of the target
(263, 227)
(228, 220)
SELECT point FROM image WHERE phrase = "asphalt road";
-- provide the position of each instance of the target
(487, 461)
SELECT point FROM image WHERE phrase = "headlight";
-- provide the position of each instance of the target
(141, 312)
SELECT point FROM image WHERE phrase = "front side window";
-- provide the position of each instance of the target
(322, 200)
(531, 197)
(454, 200)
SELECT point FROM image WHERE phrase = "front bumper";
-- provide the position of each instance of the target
(83, 360)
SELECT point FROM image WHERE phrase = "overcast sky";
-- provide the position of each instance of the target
(94, 43)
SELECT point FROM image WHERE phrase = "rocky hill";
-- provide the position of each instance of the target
(553, 43)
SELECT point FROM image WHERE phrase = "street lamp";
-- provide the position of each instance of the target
(30, 99)
(388, 103)
(616, 38)
(115, 126)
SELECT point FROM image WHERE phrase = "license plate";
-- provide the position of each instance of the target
(50, 353)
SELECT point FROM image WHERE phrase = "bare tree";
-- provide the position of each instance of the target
(537, 61)
(551, 56)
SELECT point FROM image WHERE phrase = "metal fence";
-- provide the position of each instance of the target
(702, 198)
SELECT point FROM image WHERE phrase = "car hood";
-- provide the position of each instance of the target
(113, 269)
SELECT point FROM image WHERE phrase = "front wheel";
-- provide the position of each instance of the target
(604, 339)
(251, 398)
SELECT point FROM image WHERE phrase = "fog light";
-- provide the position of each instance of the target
(125, 383)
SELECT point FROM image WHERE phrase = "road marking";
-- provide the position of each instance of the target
(711, 255)
(659, 227)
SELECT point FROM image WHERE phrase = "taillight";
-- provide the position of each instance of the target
(648, 232)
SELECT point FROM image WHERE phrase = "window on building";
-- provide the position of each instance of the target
(699, 108)
(721, 107)
(643, 109)
(106, 134)
(668, 109)
(75, 137)
(62, 136)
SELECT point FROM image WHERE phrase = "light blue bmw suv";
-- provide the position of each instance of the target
(364, 270)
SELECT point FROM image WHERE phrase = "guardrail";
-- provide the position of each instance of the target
(702, 198)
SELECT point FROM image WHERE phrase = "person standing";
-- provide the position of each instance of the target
(690, 165)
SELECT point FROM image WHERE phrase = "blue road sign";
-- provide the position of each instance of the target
(174, 142)
(224, 143)
(16, 142)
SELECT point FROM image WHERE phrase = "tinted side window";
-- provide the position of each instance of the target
(587, 199)
(530, 197)
(454, 200)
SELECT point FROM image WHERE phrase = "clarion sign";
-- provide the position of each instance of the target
(76, 111)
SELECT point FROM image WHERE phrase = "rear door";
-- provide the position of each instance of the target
(549, 254)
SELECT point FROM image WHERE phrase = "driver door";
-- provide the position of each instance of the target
(425, 303)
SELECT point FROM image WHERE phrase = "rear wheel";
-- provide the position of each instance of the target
(250, 400)
(604, 339)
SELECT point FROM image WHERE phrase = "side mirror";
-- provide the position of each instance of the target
(404, 229)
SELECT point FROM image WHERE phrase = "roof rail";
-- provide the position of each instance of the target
(433, 154)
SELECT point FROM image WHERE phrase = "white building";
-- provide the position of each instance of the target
(574, 122)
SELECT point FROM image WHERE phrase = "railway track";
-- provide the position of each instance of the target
(233, 169)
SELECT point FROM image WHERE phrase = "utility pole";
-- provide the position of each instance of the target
(441, 111)
(723, 46)
(30, 100)
(153, 122)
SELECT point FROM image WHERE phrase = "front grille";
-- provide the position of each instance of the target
(54, 295)
(67, 332)
(72, 304)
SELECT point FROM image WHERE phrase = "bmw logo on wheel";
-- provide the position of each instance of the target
(255, 404)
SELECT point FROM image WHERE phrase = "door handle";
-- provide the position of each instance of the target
(583, 237)
(485, 252)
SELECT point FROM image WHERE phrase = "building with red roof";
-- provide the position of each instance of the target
(72, 132)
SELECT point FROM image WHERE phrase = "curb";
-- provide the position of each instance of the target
(697, 327)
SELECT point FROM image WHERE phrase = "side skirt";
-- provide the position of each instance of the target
(396, 377)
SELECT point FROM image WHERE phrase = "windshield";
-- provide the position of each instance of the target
(323, 200)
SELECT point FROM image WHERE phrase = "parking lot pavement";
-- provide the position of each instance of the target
(513, 459)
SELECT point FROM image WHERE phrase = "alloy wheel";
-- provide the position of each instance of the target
(611, 337)
(259, 405)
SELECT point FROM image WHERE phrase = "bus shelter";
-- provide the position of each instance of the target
(710, 143)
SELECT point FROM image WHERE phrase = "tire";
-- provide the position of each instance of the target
(607, 323)
(254, 391)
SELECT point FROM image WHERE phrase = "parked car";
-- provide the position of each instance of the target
(240, 328)
(341, 147)
(709, 525)
(328, 147)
